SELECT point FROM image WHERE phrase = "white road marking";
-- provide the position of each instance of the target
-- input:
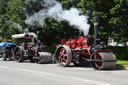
(4, 67)
(63, 76)
(38, 72)
(87, 80)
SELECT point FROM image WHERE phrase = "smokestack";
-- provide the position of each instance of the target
(37, 33)
(95, 32)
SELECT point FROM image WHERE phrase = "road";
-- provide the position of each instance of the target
(13, 73)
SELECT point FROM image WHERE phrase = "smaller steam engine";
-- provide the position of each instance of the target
(30, 49)
(81, 52)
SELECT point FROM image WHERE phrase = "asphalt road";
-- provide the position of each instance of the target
(13, 73)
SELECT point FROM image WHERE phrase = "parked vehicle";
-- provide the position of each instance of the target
(7, 50)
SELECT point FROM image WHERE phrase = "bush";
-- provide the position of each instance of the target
(120, 52)
(51, 48)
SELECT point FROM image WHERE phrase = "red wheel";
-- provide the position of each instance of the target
(96, 62)
(63, 55)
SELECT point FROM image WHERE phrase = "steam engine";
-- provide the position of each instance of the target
(81, 52)
(30, 49)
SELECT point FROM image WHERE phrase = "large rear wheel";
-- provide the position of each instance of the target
(63, 55)
(19, 54)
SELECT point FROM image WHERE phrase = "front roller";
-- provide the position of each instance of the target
(63, 55)
(103, 60)
(44, 57)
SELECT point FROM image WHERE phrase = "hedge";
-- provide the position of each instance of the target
(120, 52)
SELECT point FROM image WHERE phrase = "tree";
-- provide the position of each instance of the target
(112, 17)
(3, 5)
(13, 18)
(52, 32)
(118, 21)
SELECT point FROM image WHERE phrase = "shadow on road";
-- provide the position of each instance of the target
(117, 68)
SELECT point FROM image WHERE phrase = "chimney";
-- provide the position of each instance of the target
(37, 33)
(95, 32)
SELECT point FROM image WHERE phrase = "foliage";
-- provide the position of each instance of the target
(51, 48)
(120, 52)
(13, 19)
(119, 20)
(112, 16)
(122, 63)
(54, 31)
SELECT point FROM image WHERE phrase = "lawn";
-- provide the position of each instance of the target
(123, 63)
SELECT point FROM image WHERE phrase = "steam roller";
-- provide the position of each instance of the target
(82, 52)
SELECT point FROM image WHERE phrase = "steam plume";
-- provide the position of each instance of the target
(54, 9)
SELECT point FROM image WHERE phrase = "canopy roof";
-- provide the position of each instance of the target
(5, 44)
(28, 35)
(18, 36)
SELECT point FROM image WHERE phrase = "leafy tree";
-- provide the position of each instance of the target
(3, 5)
(111, 15)
(118, 21)
(52, 32)
(13, 18)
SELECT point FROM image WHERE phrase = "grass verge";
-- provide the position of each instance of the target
(123, 63)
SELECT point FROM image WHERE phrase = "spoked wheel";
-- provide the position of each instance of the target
(103, 60)
(96, 62)
(19, 55)
(4, 57)
(63, 55)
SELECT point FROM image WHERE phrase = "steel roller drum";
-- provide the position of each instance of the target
(108, 60)
(45, 57)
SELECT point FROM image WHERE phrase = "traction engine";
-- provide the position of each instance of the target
(81, 52)
(30, 49)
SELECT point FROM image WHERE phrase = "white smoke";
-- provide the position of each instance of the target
(32, 34)
(17, 26)
(37, 18)
(54, 9)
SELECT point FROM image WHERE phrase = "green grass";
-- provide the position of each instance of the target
(123, 63)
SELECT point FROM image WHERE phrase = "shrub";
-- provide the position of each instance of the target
(120, 52)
